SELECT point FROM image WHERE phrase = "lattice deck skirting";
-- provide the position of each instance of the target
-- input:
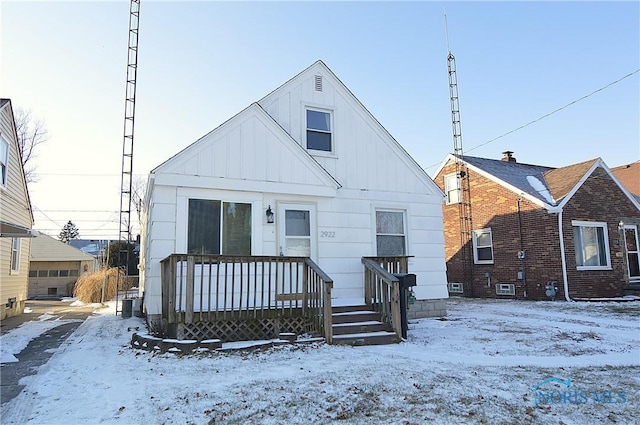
(243, 329)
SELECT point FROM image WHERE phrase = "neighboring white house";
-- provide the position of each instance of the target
(312, 155)
(16, 218)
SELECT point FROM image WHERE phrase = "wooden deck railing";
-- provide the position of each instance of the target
(382, 289)
(209, 288)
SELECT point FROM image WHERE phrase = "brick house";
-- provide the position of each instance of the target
(509, 245)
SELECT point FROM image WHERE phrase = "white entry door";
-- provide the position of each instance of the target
(297, 230)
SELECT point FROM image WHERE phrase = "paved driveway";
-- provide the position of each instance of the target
(41, 348)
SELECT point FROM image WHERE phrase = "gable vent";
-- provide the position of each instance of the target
(318, 82)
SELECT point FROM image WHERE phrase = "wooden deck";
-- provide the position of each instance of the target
(243, 298)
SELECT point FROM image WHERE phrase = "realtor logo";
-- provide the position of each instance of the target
(561, 391)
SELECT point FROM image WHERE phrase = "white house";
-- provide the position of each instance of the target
(306, 171)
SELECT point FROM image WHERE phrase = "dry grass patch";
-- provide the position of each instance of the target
(88, 288)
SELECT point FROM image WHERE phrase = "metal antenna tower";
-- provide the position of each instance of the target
(462, 174)
(127, 154)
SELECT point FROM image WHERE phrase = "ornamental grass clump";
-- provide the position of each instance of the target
(88, 288)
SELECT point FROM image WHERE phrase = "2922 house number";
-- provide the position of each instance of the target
(327, 234)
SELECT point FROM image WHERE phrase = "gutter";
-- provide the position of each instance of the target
(562, 257)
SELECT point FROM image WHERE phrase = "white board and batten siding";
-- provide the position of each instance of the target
(260, 157)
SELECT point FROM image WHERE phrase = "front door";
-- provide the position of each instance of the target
(633, 256)
(297, 230)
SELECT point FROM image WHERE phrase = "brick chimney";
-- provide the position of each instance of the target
(508, 156)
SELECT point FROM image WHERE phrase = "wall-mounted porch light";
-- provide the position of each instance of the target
(621, 225)
(269, 215)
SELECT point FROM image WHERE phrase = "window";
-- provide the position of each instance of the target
(482, 246)
(15, 255)
(452, 188)
(4, 161)
(217, 227)
(43, 273)
(633, 253)
(73, 273)
(390, 236)
(33, 273)
(319, 130)
(592, 245)
(54, 273)
(64, 273)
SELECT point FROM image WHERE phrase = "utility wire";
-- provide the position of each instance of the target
(549, 114)
(557, 110)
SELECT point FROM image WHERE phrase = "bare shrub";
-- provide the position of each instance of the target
(89, 286)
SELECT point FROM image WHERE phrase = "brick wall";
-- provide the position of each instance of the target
(534, 230)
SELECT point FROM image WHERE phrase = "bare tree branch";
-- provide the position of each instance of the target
(31, 133)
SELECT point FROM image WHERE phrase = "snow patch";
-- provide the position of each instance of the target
(539, 187)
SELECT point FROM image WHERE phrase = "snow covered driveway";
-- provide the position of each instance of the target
(489, 362)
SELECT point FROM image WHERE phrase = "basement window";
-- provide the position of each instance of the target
(319, 137)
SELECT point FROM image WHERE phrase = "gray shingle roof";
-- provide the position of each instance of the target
(516, 174)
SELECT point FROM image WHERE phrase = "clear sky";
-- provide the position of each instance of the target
(202, 62)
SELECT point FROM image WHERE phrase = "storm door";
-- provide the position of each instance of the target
(633, 256)
(297, 230)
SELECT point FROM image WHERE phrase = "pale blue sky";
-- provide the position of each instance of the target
(202, 62)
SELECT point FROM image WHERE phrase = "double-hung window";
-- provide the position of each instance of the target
(15, 255)
(217, 227)
(4, 161)
(592, 245)
(390, 233)
(319, 136)
(482, 246)
(452, 188)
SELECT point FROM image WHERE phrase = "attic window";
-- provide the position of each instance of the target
(318, 82)
(319, 130)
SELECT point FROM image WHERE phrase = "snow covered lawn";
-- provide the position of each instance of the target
(480, 366)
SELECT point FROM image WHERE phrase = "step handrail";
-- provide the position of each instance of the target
(382, 294)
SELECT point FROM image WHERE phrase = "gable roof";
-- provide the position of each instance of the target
(290, 154)
(629, 176)
(548, 187)
(46, 248)
(6, 104)
(408, 160)
(561, 181)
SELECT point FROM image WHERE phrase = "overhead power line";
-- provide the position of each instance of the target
(549, 114)
(556, 110)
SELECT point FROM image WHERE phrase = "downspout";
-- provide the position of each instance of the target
(522, 258)
(562, 255)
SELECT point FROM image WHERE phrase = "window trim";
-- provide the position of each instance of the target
(4, 178)
(458, 189)
(404, 228)
(221, 222)
(15, 255)
(605, 236)
(476, 247)
(331, 132)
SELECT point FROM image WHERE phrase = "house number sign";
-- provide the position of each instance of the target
(327, 234)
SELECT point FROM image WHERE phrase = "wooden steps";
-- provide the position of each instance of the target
(358, 325)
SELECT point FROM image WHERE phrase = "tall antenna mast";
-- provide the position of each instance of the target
(127, 153)
(462, 174)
